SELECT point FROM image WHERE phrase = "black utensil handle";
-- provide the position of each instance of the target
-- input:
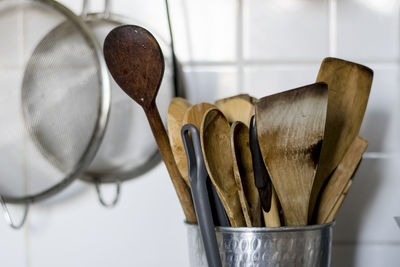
(261, 176)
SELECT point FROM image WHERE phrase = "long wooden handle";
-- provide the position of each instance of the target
(271, 218)
(181, 188)
(338, 204)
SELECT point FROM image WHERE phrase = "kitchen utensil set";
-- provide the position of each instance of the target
(287, 158)
(281, 150)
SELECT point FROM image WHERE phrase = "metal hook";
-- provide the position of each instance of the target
(106, 11)
(8, 217)
(84, 9)
(116, 198)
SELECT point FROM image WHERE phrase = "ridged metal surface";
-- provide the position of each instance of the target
(285, 246)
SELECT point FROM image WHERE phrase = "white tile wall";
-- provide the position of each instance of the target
(368, 29)
(263, 80)
(285, 30)
(228, 47)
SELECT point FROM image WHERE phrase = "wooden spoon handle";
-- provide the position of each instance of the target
(271, 218)
(182, 190)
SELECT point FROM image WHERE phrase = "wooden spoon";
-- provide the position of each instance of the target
(242, 96)
(136, 63)
(340, 178)
(349, 87)
(244, 176)
(236, 109)
(195, 114)
(176, 111)
(215, 144)
(290, 127)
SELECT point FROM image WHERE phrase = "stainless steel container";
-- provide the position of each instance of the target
(284, 246)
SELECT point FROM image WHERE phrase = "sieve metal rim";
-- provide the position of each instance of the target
(103, 110)
(155, 158)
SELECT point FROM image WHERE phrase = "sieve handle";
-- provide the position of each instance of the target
(116, 198)
(8, 217)
(106, 11)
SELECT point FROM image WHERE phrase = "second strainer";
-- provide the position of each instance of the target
(127, 150)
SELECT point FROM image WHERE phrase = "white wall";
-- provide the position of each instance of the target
(229, 47)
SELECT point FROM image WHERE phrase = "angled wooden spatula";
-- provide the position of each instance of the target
(349, 87)
(340, 179)
(290, 127)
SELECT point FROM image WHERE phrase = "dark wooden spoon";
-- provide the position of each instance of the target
(136, 63)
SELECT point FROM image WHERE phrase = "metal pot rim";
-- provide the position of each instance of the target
(314, 227)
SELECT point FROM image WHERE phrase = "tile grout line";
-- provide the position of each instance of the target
(332, 17)
(239, 46)
(269, 63)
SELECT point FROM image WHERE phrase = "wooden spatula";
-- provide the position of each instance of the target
(349, 87)
(176, 110)
(244, 176)
(290, 126)
(215, 144)
(340, 178)
(339, 203)
(237, 109)
(136, 63)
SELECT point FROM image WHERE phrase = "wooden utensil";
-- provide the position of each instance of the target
(290, 127)
(349, 87)
(236, 108)
(242, 96)
(243, 172)
(339, 203)
(176, 111)
(195, 114)
(136, 63)
(263, 182)
(340, 178)
(215, 144)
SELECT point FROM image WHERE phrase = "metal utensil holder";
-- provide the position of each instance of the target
(282, 246)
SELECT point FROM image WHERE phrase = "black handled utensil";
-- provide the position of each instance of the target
(261, 176)
(198, 178)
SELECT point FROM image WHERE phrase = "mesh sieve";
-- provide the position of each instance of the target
(127, 150)
(55, 101)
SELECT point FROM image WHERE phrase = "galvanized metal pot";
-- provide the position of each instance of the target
(284, 246)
